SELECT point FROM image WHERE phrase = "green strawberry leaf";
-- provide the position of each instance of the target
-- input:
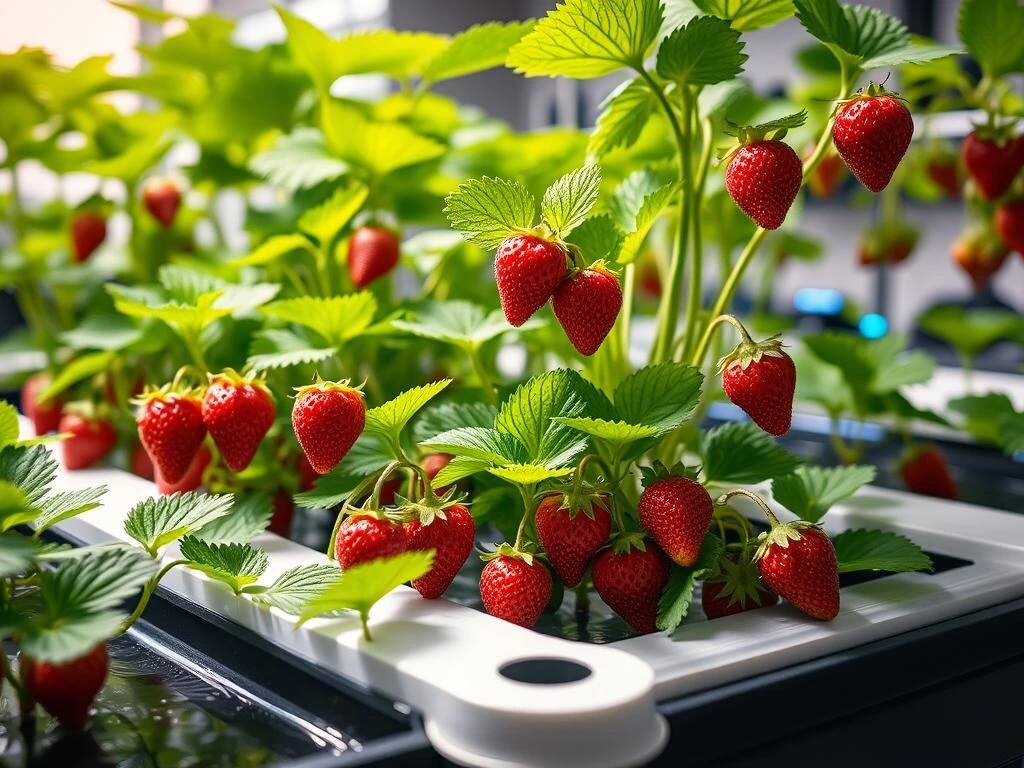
(588, 38)
(360, 587)
(483, 443)
(60, 640)
(81, 368)
(17, 553)
(567, 202)
(660, 396)
(15, 508)
(293, 590)
(528, 416)
(9, 429)
(486, 211)
(457, 322)
(675, 600)
(870, 366)
(236, 565)
(913, 368)
(249, 516)
(621, 117)
(188, 320)
(618, 433)
(337, 318)
(811, 491)
(741, 453)
(983, 414)
(1011, 433)
(597, 238)
(705, 51)
(969, 331)
(457, 469)
(473, 50)
(388, 420)
(273, 249)
(874, 33)
(993, 31)
(870, 550)
(526, 474)
(746, 15)
(65, 505)
(156, 522)
(298, 160)
(915, 53)
(441, 418)
(379, 147)
(326, 221)
(330, 490)
(32, 469)
(104, 331)
(97, 579)
(281, 348)
(825, 20)
(647, 214)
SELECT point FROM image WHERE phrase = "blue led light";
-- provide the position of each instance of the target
(873, 326)
(818, 301)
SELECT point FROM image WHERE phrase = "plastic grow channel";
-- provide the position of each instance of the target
(578, 704)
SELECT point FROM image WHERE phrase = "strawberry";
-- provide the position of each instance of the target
(238, 412)
(676, 511)
(924, 470)
(980, 253)
(66, 690)
(871, 132)
(140, 462)
(91, 439)
(571, 530)
(735, 587)
(763, 178)
(281, 519)
(193, 477)
(372, 253)
(945, 174)
(827, 175)
(450, 532)
(365, 537)
(88, 231)
(433, 463)
(171, 429)
(45, 417)
(992, 161)
(327, 418)
(586, 305)
(889, 243)
(515, 586)
(162, 197)
(761, 379)
(527, 270)
(798, 562)
(1010, 225)
(648, 279)
(630, 576)
(389, 489)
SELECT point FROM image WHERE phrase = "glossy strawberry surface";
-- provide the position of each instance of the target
(586, 305)
(451, 537)
(763, 179)
(676, 511)
(238, 416)
(362, 538)
(527, 270)
(67, 690)
(805, 573)
(631, 583)
(764, 389)
(872, 134)
(926, 471)
(171, 429)
(515, 590)
(327, 419)
(571, 537)
(372, 253)
(45, 417)
(89, 442)
(991, 164)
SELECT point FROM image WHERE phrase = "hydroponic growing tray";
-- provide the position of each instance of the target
(494, 694)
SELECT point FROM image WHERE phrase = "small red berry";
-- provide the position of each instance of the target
(630, 580)
(515, 588)
(527, 270)
(571, 536)
(872, 132)
(238, 412)
(171, 429)
(764, 178)
(327, 418)
(798, 562)
(90, 440)
(67, 690)
(586, 305)
(676, 511)
(162, 198)
(992, 163)
(88, 231)
(924, 470)
(362, 538)
(372, 253)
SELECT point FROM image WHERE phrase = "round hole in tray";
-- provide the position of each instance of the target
(544, 671)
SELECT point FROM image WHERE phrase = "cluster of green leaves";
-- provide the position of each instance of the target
(991, 418)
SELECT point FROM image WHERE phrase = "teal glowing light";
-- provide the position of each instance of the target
(873, 326)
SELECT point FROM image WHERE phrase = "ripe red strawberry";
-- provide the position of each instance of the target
(826, 177)
(571, 531)
(889, 243)
(91, 439)
(362, 538)
(327, 418)
(171, 429)
(629, 577)
(586, 305)
(388, 489)
(193, 476)
(736, 587)
(993, 162)
(88, 231)
(798, 562)
(433, 463)
(980, 254)
(66, 690)
(450, 532)
(763, 178)
(945, 173)
(924, 470)
(648, 279)
(761, 379)
(141, 464)
(872, 132)
(372, 253)
(284, 509)
(527, 270)
(45, 417)
(238, 412)
(162, 197)
(1010, 225)
(515, 587)
(676, 511)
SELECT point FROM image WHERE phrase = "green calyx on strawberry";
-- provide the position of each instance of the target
(735, 587)
(572, 526)
(630, 576)
(327, 418)
(993, 156)
(445, 526)
(760, 378)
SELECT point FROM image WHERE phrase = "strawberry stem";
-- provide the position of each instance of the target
(724, 499)
(529, 504)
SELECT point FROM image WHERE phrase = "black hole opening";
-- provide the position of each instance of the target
(541, 671)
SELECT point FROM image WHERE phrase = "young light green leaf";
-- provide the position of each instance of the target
(874, 32)
(293, 590)
(661, 396)
(32, 469)
(457, 469)
(621, 117)
(389, 419)
(588, 38)
(913, 368)
(58, 640)
(528, 474)
(653, 204)
(457, 322)
(15, 508)
(360, 587)
(158, 521)
(811, 491)
(910, 54)
(249, 516)
(9, 429)
(527, 415)
(298, 160)
(616, 432)
(786, 122)
(188, 320)
(993, 31)
(598, 238)
(982, 414)
(741, 453)
(675, 600)
(326, 221)
(441, 418)
(67, 504)
(705, 51)
(483, 443)
(280, 348)
(567, 202)
(233, 564)
(746, 15)
(486, 211)
(16, 554)
(870, 550)
(378, 147)
(272, 250)
(337, 318)
(473, 50)
(79, 369)
(95, 580)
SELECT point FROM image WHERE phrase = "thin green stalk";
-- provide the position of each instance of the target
(626, 317)
(12, 678)
(147, 592)
(527, 492)
(693, 302)
(486, 382)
